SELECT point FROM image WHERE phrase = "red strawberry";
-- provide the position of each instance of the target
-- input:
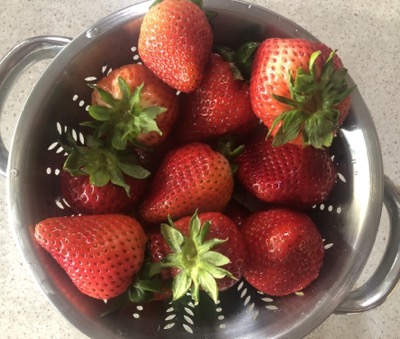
(188, 251)
(99, 173)
(191, 177)
(284, 251)
(140, 109)
(209, 112)
(300, 94)
(100, 253)
(289, 174)
(86, 198)
(175, 42)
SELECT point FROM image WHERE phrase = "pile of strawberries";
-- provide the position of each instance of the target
(202, 165)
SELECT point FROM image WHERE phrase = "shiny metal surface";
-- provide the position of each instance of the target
(348, 221)
(378, 287)
(15, 62)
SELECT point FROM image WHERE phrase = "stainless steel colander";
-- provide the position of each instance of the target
(348, 221)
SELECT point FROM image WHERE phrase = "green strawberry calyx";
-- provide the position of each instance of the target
(140, 291)
(122, 120)
(240, 60)
(230, 149)
(103, 164)
(144, 286)
(313, 104)
(198, 265)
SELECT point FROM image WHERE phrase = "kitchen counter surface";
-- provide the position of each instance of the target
(367, 35)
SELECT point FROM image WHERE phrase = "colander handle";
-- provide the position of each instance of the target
(379, 286)
(15, 62)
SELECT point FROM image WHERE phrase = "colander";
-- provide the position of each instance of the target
(348, 221)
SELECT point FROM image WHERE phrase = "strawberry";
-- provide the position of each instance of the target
(175, 42)
(284, 251)
(298, 89)
(100, 253)
(131, 105)
(190, 177)
(205, 250)
(208, 111)
(84, 197)
(96, 175)
(289, 174)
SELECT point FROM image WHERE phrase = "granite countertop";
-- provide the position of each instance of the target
(367, 35)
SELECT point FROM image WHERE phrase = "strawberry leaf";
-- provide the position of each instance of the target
(199, 266)
(134, 170)
(209, 244)
(208, 283)
(145, 120)
(292, 124)
(145, 285)
(318, 130)
(155, 2)
(100, 177)
(116, 177)
(102, 163)
(100, 113)
(244, 57)
(198, 3)
(228, 54)
(204, 231)
(105, 96)
(227, 146)
(284, 100)
(218, 272)
(312, 66)
(126, 91)
(172, 236)
(119, 139)
(122, 120)
(215, 258)
(181, 285)
(312, 104)
(240, 60)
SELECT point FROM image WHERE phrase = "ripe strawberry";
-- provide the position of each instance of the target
(284, 251)
(209, 112)
(98, 175)
(289, 174)
(175, 42)
(100, 253)
(131, 105)
(86, 198)
(203, 251)
(191, 177)
(298, 89)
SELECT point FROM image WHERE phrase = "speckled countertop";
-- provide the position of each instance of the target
(367, 34)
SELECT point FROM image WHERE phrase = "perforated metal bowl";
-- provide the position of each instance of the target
(348, 220)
